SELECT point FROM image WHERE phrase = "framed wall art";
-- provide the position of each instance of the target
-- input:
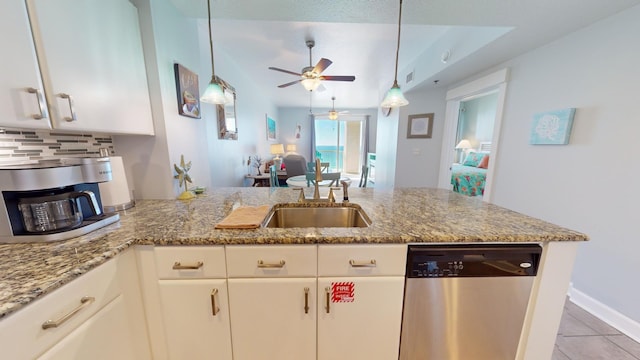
(187, 91)
(271, 128)
(420, 126)
(552, 127)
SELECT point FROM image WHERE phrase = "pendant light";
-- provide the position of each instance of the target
(333, 114)
(394, 97)
(214, 94)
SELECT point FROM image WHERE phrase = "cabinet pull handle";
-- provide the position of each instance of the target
(214, 308)
(328, 292)
(41, 104)
(73, 116)
(196, 266)
(306, 300)
(84, 302)
(371, 263)
(262, 264)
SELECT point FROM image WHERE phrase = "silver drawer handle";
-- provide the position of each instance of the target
(41, 104)
(262, 264)
(178, 266)
(84, 302)
(73, 116)
(214, 309)
(371, 263)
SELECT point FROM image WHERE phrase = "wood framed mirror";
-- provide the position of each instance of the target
(227, 124)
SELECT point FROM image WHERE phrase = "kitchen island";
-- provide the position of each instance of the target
(398, 216)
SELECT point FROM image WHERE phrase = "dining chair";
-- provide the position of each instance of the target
(334, 177)
(324, 166)
(363, 176)
(273, 177)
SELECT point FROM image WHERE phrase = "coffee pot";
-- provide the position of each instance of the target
(55, 212)
(52, 199)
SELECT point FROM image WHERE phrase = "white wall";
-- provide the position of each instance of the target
(418, 160)
(590, 184)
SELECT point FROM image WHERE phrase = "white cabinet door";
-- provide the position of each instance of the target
(92, 64)
(103, 336)
(196, 318)
(269, 319)
(363, 318)
(19, 71)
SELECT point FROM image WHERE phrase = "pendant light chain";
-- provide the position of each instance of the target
(395, 77)
(211, 39)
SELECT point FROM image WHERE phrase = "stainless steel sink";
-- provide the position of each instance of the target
(319, 216)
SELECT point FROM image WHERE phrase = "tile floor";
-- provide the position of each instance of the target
(582, 336)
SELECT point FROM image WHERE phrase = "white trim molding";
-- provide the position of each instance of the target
(622, 323)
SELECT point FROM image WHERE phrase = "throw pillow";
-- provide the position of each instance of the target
(484, 163)
(473, 159)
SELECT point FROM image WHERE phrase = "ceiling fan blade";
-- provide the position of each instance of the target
(338, 78)
(289, 83)
(322, 65)
(284, 71)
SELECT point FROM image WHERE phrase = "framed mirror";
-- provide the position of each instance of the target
(227, 124)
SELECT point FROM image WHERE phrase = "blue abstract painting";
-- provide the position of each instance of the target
(552, 127)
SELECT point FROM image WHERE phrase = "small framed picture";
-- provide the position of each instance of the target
(271, 128)
(187, 91)
(420, 126)
(552, 127)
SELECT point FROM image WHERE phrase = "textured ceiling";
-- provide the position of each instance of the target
(359, 36)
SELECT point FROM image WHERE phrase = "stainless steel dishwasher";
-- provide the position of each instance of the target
(466, 302)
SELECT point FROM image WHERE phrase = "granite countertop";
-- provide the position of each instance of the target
(398, 216)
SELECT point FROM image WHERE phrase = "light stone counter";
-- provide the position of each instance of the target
(28, 271)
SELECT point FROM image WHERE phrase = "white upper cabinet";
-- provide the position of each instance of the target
(22, 102)
(92, 64)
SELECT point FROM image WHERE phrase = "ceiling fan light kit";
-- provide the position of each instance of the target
(311, 76)
(395, 97)
(214, 94)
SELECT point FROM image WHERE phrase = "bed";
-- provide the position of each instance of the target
(470, 177)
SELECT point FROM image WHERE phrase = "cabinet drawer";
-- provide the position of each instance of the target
(190, 262)
(271, 261)
(362, 260)
(23, 336)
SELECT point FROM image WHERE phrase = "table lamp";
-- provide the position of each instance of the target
(277, 150)
(291, 148)
(463, 145)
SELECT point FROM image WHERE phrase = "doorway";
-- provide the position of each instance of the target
(495, 83)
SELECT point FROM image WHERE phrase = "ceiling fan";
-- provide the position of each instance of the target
(311, 76)
(333, 114)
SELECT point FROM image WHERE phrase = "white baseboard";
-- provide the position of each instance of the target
(612, 317)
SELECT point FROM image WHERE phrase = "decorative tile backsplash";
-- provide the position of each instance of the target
(38, 144)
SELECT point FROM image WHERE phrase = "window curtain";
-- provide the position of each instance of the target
(365, 142)
(312, 132)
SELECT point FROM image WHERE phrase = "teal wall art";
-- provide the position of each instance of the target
(552, 127)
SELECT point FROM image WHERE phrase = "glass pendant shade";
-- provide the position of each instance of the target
(214, 94)
(394, 98)
(333, 115)
(310, 84)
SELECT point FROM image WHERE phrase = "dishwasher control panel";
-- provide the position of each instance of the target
(436, 261)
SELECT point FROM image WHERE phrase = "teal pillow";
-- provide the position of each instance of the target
(473, 159)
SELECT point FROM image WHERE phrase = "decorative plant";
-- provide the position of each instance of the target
(257, 163)
(183, 178)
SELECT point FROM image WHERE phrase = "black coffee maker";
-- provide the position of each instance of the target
(49, 200)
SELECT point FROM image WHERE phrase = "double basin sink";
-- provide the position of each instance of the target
(318, 215)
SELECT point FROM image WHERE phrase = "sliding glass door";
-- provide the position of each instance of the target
(340, 142)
